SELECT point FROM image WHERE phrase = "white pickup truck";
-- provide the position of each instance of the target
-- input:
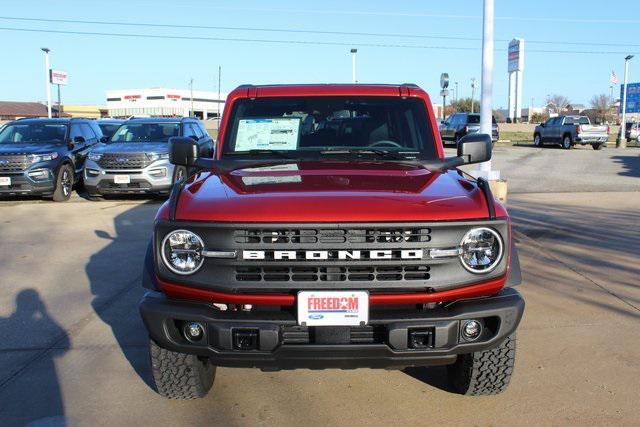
(570, 130)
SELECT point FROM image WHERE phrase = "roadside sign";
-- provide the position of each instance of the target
(58, 77)
(516, 55)
(633, 97)
(444, 80)
(444, 92)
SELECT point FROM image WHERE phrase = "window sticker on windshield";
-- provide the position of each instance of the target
(280, 133)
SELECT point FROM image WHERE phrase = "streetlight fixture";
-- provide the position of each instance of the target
(46, 78)
(456, 94)
(191, 114)
(622, 141)
(353, 65)
(473, 91)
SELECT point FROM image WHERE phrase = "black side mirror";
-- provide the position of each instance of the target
(542, 124)
(183, 151)
(475, 148)
(78, 140)
(104, 139)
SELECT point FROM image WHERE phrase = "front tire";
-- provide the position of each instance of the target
(566, 142)
(180, 375)
(537, 140)
(64, 184)
(485, 372)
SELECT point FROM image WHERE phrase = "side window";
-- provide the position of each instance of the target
(453, 119)
(198, 131)
(187, 130)
(568, 121)
(75, 131)
(87, 132)
(203, 129)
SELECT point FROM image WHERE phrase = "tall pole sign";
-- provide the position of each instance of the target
(58, 78)
(444, 84)
(515, 68)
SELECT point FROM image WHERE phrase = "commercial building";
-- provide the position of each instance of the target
(10, 110)
(164, 102)
(88, 111)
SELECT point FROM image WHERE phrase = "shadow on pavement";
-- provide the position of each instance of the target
(435, 376)
(115, 274)
(31, 318)
(631, 165)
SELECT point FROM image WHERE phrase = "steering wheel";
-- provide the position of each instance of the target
(384, 142)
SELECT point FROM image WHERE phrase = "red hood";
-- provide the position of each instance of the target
(331, 192)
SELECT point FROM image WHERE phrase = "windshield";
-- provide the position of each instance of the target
(301, 125)
(146, 132)
(33, 133)
(108, 129)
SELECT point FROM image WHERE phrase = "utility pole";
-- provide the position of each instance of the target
(353, 65)
(456, 94)
(219, 80)
(486, 94)
(59, 101)
(46, 78)
(473, 85)
(622, 142)
(191, 89)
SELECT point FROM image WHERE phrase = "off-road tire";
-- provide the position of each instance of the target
(180, 375)
(566, 139)
(64, 184)
(597, 146)
(484, 372)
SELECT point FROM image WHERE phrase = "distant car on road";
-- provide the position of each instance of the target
(570, 130)
(109, 126)
(45, 157)
(136, 158)
(461, 124)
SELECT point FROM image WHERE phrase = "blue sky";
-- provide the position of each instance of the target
(98, 63)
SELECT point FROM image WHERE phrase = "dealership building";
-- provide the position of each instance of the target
(164, 102)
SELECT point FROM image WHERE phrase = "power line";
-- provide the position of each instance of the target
(296, 42)
(302, 31)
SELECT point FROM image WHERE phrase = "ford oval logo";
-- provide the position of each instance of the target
(122, 160)
(316, 316)
(4, 162)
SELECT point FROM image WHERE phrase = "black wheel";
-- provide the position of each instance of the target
(537, 140)
(180, 375)
(566, 142)
(64, 184)
(597, 146)
(485, 372)
(179, 172)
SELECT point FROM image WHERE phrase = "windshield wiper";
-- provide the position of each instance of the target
(395, 155)
(259, 151)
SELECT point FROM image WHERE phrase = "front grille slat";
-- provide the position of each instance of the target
(13, 163)
(115, 161)
(379, 273)
(273, 237)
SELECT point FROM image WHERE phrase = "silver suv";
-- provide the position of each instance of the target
(136, 158)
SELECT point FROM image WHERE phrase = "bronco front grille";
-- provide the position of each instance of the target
(13, 163)
(124, 161)
(271, 236)
(365, 273)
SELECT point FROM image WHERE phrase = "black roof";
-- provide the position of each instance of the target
(160, 119)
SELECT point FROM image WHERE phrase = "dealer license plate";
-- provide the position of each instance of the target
(122, 179)
(333, 308)
(5, 181)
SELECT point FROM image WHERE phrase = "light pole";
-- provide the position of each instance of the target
(191, 89)
(46, 78)
(353, 65)
(219, 80)
(486, 90)
(456, 97)
(622, 142)
(473, 86)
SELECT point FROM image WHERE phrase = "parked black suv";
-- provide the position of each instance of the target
(461, 124)
(45, 156)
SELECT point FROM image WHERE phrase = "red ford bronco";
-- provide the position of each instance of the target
(330, 231)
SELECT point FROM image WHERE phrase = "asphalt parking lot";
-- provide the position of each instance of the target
(74, 350)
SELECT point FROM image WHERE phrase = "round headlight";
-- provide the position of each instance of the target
(182, 252)
(481, 250)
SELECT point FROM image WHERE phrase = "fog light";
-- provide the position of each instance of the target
(39, 174)
(92, 172)
(471, 329)
(193, 331)
(158, 172)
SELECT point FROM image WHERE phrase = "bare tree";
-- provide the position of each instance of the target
(601, 106)
(557, 103)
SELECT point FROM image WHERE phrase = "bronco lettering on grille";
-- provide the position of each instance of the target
(333, 255)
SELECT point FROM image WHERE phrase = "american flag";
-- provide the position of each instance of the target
(613, 79)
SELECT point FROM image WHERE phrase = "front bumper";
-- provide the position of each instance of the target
(22, 184)
(101, 181)
(386, 342)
